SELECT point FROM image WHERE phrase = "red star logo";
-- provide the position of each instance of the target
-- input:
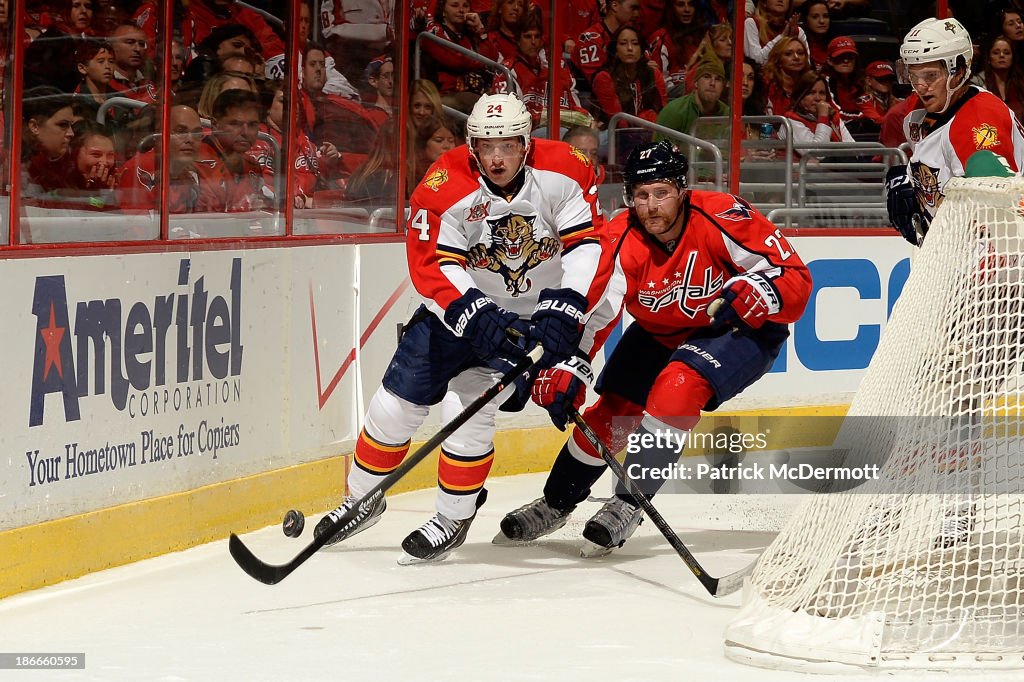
(52, 336)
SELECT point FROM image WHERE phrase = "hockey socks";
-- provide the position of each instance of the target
(570, 480)
(653, 447)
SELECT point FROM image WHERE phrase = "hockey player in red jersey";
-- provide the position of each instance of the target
(955, 120)
(682, 252)
(504, 235)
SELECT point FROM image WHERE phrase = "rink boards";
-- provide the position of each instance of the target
(159, 400)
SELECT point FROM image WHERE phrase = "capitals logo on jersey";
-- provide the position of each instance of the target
(513, 251)
(691, 296)
(739, 211)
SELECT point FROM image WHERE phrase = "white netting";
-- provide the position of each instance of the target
(923, 567)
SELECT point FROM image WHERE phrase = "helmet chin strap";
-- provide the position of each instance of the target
(950, 90)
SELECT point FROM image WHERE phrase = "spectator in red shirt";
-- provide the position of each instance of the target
(786, 63)
(228, 179)
(48, 119)
(878, 97)
(629, 83)
(817, 24)
(591, 51)
(460, 79)
(504, 24)
(845, 77)
(202, 16)
(129, 46)
(140, 180)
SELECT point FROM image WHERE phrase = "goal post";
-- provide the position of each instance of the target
(924, 566)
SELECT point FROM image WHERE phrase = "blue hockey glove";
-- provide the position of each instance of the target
(557, 324)
(490, 330)
(746, 302)
(905, 212)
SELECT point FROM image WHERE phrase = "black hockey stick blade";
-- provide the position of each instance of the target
(716, 587)
(271, 574)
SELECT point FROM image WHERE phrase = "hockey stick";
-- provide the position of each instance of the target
(272, 574)
(716, 587)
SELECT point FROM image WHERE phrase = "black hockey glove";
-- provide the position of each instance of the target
(905, 211)
(487, 327)
(557, 324)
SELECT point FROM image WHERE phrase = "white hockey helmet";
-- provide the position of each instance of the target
(937, 40)
(498, 116)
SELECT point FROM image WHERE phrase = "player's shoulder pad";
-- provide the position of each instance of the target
(452, 177)
(561, 157)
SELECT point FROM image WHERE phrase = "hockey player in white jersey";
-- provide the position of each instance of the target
(956, 120)
(504, 235)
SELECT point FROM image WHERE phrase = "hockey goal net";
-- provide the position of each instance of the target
(922, 567)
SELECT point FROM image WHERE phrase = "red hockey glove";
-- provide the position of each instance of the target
(561, 387)
(746, 301)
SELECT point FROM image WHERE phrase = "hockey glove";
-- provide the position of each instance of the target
(746, 302)
(561, 387)
(488, 328)
(557, 324)
(904, 209)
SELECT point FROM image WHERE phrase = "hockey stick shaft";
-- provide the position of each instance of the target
(272, 574)
(716, 587)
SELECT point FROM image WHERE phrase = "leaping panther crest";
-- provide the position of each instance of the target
(513, 251)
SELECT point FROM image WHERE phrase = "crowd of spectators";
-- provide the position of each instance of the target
(89, 115)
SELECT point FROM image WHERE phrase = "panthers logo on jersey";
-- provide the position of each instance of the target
(436, 179)
(513, 251)
(580, 156)
(985, 136)
(926, 182)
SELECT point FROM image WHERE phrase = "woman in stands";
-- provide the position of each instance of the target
(845, 77)
(373, 183)
(716, 48)
(784, 67)
(628, 83)
(424, 102)
(817, 25)
(773, 20)
(684, 25)
(45, 160)
(433, 140)
(1001, 74)
(218, 83)
(814, 118)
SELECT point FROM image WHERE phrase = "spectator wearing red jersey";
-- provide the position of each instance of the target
(684, 25)
(228, 179)
(202, 16)
(129, 46)
(530, 71)
(310, 160)
(783, 68)
(504, 24)
(591, 51)
(140, 181)
(48, 119)
(878, 97)
(460, 79)
(579, 14)
(629, 84)
(845, 77)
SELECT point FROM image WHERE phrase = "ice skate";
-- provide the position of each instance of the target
(610, 527)
(437, 538)
(363, 520)
(531, 521)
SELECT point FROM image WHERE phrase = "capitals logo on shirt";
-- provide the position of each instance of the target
(513, 251)
(691, 296)
(740, 210)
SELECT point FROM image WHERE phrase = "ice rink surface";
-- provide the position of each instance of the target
(538, 612)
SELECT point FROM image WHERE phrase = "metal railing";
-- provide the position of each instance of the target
(465, 52)
(715, 152)
(101, 113)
